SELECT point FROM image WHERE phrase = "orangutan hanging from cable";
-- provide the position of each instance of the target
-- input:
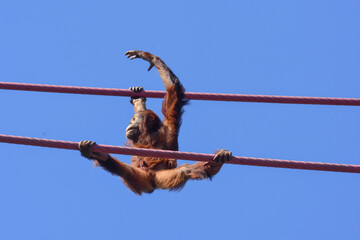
(145, 174)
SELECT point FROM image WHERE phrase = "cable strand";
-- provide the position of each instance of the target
(264, 162)
(188, 95)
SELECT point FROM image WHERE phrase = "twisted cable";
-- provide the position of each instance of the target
(264, 162)
(188, 95)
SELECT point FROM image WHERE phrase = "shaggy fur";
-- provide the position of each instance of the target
(145, 174)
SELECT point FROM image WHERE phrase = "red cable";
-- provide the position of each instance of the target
(188, 95)
(184, 155)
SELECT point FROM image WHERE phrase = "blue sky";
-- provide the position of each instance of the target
(299, 48)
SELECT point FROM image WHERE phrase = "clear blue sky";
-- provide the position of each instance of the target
(299, 48)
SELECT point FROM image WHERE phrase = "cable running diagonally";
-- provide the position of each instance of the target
(188, 95)
(184, 155)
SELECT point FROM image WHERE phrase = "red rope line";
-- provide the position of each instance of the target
(184, 155)
(188, 95)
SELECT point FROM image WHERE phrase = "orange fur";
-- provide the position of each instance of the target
(145, 174)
